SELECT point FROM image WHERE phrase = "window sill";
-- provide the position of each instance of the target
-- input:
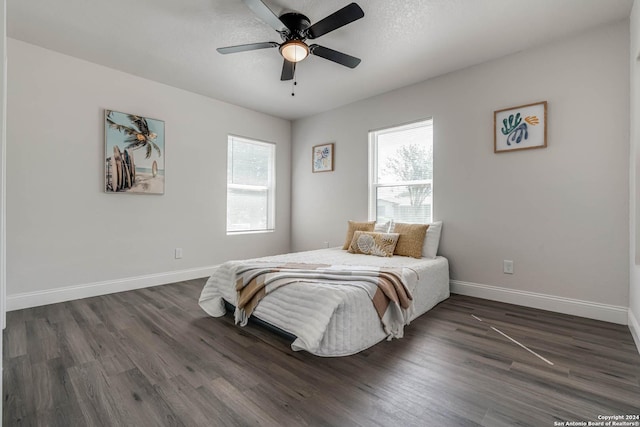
(234, 233)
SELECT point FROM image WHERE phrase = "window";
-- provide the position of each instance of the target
(250, 185)
(401, 173)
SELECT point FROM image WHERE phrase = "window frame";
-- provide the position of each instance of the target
(270, 188)
(373, 165)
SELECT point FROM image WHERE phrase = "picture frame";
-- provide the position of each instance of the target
(322, 157)
(520, 128)
(134, 154)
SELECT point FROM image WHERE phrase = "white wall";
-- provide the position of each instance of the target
(634, 175)
(560, 213)
(64, 231)
(3, 252)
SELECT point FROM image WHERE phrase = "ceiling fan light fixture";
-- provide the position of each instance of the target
(294, 50)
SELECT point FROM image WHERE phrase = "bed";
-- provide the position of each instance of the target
(328, 319)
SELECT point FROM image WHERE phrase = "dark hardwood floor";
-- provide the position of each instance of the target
(151, 357)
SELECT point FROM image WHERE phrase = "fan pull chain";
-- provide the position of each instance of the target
(294, 81)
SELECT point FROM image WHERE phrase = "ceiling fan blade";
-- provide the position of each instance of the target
(288, 70)
(264, 13)
(246, 47)
(346, 15)
(334, 55)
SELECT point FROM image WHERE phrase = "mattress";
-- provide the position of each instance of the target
(329, 320)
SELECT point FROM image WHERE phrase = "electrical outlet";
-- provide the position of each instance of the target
(326, 244)
(178, 253)
(507, 266)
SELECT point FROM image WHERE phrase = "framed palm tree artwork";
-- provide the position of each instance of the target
(134, 154)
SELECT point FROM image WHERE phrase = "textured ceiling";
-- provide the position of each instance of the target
(400, 42)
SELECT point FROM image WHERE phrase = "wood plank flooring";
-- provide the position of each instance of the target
(151, 357)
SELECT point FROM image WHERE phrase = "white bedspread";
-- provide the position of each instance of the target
(329, 320)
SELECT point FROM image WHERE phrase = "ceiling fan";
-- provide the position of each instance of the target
(294, 29)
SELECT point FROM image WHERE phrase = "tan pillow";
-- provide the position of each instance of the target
(371, 243)
(411, 239)
(357, 226)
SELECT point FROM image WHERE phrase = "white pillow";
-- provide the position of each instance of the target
(432, 240)
(383, 227)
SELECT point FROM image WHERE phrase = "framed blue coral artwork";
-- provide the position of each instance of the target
(322, 160)
(520, 128)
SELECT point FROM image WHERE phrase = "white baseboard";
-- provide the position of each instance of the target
(575, 307)
(634, 327)
(68, 293)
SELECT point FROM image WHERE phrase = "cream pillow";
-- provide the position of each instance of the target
(357, 226)
(432, 240)
(371, 243)
(411, 239)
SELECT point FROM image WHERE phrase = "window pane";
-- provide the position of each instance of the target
(250, 163)
(401, 173)
(250, 185)
(404, 203)
(405, 155)
(247, 209)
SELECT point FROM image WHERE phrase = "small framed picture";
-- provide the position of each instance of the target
(322, 158)
(520, 128)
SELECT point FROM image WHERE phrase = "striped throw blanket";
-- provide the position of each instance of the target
(388, 288)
